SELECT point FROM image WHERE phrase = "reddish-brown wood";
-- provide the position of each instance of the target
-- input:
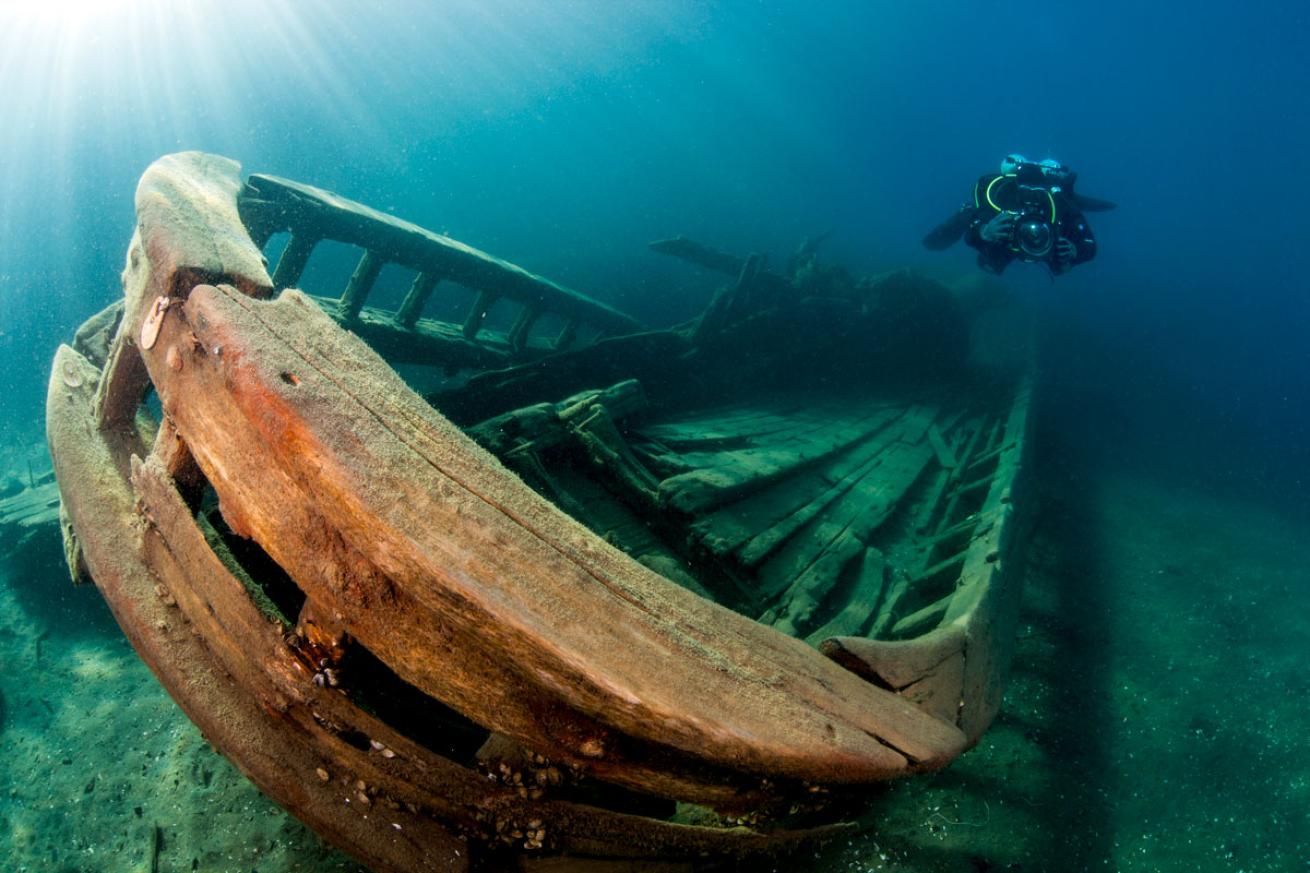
(411, 542)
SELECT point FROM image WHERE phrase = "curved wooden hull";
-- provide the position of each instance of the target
(428, 661)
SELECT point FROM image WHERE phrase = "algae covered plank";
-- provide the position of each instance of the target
(784, 507)
(870, 580)
(809, 566)
(742, 471)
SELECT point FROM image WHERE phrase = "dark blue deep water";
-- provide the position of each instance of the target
(566, 135)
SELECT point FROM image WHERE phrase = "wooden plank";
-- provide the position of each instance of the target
(451, 553)
(759, 544)
(945, 456)
(805, 594)
(31, 508)
(862, 508)
(707, 435)
(870, 581)
(922, 620)
(742, 471)
(860, 512)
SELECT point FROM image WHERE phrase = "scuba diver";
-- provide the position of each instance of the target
(1027, 212)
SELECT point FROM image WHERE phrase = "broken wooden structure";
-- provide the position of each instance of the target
(607, 593)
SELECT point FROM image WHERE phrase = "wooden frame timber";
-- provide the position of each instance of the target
(393, 626)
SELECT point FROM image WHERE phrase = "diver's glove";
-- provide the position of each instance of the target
(1065, 251)
(999, 229)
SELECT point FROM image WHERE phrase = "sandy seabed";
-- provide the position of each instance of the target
(1155, 721)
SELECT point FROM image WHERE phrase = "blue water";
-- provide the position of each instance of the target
(566, 135)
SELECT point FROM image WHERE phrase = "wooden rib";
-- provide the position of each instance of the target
(922, 620)
(102, 507)
(900, 584)
(870, 582)
(518, 332)
(360, 284)
(861, 511)
(478, 313)
(953, 498)
(567, 335)
(864, 507)
(944, 455)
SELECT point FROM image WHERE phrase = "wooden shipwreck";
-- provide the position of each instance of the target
(604, 594)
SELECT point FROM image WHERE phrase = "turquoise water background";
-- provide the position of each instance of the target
(565, 136)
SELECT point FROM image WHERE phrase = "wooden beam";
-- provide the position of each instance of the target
(415, 299)
(701, 255)
(361, 283)
(271, 204)
(292, 262)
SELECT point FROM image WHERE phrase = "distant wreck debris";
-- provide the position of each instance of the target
(608, 592)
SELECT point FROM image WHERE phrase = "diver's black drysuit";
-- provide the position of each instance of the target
(996, 193)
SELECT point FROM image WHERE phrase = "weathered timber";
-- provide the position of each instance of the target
(330, 559)
(452, 498)
(928, 670)
(870, 582)
(768, 518)
(742, 471)
(31, 507)
(102, 506)
(415, 299)
(701, 255)
(858, 513)
(293, 260)
(428, 342)
(361, 283)
(761, 546)
(944, 455)
(719, 312)
(862, 508)
(94, 337)
(269, 204)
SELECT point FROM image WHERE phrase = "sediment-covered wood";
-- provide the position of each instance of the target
(392, 517)
(102, 507)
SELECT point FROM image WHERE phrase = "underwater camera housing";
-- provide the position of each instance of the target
(1033, 237)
